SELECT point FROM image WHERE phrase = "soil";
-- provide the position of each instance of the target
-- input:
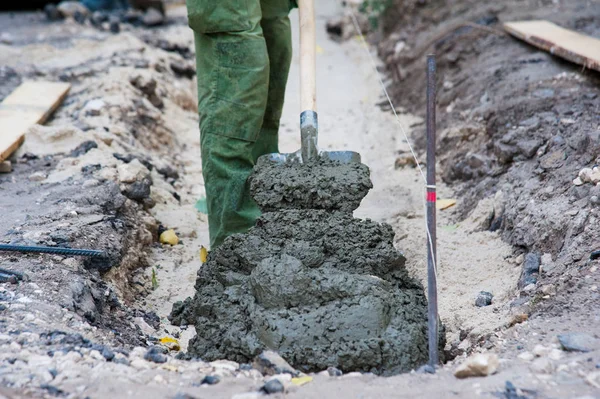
(510, 201)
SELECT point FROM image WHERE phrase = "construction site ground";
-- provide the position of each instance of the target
(133, 94)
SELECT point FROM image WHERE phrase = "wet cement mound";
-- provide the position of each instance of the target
(319, 286)
(325, 185)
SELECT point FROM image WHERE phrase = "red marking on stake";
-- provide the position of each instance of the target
(431, 197)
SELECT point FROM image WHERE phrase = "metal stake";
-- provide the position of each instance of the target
(431, 225)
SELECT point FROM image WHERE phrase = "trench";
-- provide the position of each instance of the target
(470, 259)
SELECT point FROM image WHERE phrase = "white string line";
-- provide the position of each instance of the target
(374, 65)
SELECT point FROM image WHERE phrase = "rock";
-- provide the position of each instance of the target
(94, 107)
(98, 18)
(52, 13)
(83, 148)
(114, 25)
(153, 17)
(526, 356)
(334, 372)
(155, 354)
(504, 152)
(578, 342)
(210, 380)
(147, 85)
(270, 363)
(273, 386)
(132, 172)
(108, 354)
(478, 365)
(138, 190)
(542, 365)
(484, 298)
(530, 271)
(37, 176)
(183, 68)
(529, 147)
(548, 289)
(71, 8)
(585, 175)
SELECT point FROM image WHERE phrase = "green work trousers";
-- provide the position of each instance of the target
(243, 56)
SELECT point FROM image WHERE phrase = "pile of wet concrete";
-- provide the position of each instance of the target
(309, 281)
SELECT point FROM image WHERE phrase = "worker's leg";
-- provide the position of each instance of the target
(233, 81)
(276, 28)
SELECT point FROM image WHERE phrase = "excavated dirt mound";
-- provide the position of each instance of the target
(320, 287)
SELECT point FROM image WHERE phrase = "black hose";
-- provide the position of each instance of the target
(53, 250)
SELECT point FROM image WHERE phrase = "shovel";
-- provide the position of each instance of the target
(309, 125)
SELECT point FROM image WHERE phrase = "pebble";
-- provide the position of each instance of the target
(153, 17)
(210, 380)
(273, 386)
(94, 107)
(578, 342)
(37, 176)
(542, 365)
(526, 356)
(478, 365)
(531, 268)
(334, 372)
(155, 354)
(270, 363)
(132, 172)
(484, 298)
(71, 8)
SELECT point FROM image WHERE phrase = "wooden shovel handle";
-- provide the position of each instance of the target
(308, 50)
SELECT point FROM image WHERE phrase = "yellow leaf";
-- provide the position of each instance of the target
(203, 254)
(320, 49)
(170, 343)
(299, 381)
(169, 367)
(169, 237)
(442, 204)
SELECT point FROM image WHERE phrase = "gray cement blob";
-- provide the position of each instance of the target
(309, 281)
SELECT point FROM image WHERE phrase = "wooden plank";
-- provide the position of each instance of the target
(27, 105)
(5, 167)
(565, 43)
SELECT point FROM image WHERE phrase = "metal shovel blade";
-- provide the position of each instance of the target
(309, 129)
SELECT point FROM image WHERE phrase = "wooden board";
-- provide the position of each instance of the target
(565, 43)
(27, 105)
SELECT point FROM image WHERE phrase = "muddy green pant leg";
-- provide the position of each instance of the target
(276, 28)
(239, 109)
(233, 78)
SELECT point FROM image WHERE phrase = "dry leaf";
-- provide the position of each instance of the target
(203, 254)
(169, 237)
(299, 381)
(442, 204)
